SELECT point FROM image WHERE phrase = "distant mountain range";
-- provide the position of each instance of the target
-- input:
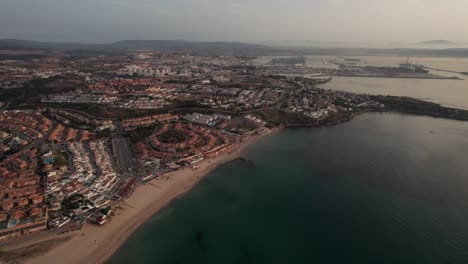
(220, 48)
(173, 45)
(437, 42)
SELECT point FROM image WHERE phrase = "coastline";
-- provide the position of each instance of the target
(96, 244)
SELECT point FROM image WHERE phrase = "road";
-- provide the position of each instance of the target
(123, 153)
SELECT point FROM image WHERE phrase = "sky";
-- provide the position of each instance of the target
(351, 21)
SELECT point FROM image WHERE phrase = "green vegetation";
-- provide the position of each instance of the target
(9, 94)
(60, 159)
(140, 134)
(181, 81)
(418, 107)
(187, 104)
(106, 112)
(172, 136)
(73, 202)
(276, 117)
(106, 133)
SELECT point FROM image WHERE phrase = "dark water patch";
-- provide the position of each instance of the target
(243, 162)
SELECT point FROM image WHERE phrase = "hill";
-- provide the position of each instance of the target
(218, 48)
(221, 48)
(437, 42)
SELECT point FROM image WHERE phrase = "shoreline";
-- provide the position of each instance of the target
(97, 244)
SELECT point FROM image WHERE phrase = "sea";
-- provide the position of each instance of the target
(382, 188)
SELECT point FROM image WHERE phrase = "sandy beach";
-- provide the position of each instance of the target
(96, 244)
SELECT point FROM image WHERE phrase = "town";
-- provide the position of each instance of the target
(79, 133)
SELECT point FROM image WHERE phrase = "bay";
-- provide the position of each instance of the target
(382, 188)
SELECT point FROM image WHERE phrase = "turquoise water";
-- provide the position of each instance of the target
(383, 188)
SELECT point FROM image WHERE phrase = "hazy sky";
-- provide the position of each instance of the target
(377, 21)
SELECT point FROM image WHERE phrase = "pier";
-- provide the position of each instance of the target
(449, 71)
